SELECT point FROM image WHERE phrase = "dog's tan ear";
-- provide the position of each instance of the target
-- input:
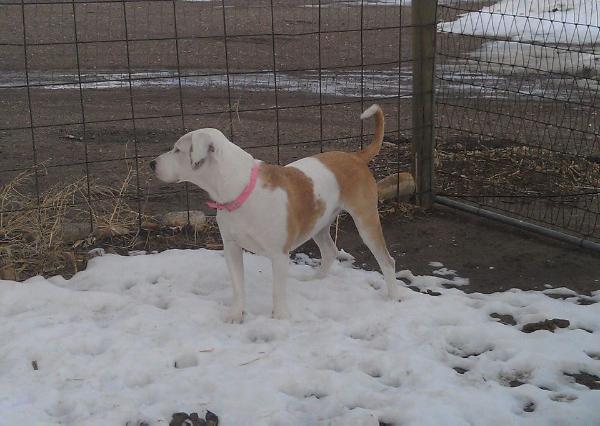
(200, 150)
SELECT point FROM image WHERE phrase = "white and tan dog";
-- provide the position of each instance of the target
(278, 208)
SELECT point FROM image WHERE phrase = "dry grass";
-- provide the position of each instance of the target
(32, 230)
(37, 235)
(519, 170)
(113, 215)
(395, 209)
(552, 188)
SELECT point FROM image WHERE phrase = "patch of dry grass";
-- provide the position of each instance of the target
(520, 170)
(52, 235)
(32, 230)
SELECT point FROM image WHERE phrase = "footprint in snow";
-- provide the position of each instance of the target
(465, 350)
(186, 361)
(304, 391)
(261, 336)
(563, 397)
(515, 379)
(505, 319)
(372, 369)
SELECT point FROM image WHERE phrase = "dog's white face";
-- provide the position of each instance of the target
(190, 160)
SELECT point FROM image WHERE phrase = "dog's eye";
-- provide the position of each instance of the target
(176, 150)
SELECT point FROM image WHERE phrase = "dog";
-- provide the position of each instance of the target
(270, 210)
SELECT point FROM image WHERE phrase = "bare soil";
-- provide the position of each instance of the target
(493, 256)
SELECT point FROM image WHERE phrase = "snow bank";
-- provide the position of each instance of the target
(525, 56)
(570, 22)
(137, 338)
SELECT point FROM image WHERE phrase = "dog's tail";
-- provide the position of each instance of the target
(372, 150)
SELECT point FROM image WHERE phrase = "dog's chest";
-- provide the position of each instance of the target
(263, 225)
(256, 227)
(247, 240)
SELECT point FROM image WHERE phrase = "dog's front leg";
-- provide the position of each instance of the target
(280, 264)
(234, 258)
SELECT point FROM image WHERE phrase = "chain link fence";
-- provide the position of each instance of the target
(91, 91)
(517, 118)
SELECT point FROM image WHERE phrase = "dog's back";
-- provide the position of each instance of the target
(354, 179)
(336, 181)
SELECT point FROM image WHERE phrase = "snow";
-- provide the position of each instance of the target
(562, 291)
(345, 3)
(338, 3)
(529, 56)
(570, 22)
(552, 36)
(444, 272)
(376, 82)
(138, 338)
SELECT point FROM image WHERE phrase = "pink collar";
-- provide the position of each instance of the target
(241, 199)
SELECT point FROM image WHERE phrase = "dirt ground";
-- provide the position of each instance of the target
(493, 256)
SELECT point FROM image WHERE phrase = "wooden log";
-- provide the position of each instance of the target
(398, 184)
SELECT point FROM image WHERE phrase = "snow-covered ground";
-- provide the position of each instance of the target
(377, 83)
(559, 36)
(569, 22)
(466, 81)
(138, 338)
(525, 56)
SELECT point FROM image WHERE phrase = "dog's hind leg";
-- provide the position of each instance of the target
(328, 250)
(329, 253)
(366, 218)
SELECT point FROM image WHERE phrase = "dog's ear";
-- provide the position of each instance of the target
(200, 150)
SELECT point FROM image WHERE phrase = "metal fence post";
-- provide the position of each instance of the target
(424, 29)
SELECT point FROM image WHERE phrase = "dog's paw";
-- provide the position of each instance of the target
(399, 293)
(319, 274)
(235, 315)
(393, 294)
(307, 276)
(281, 313)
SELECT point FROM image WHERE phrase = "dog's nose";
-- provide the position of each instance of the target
(153, 164)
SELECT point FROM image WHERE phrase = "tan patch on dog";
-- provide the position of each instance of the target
(358, 191)
(303, 209)
(357, 184)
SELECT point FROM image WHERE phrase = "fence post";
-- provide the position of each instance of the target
(424, 29)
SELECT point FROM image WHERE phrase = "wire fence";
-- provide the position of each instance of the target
(518, 126)
(91, 91)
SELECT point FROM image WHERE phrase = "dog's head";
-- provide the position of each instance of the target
(192, 158)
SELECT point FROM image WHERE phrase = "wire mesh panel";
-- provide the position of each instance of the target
(517, 109)
(91, 91)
